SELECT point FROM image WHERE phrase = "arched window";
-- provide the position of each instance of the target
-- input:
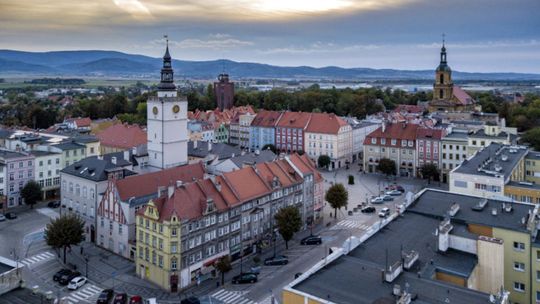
(441, 78)
(441, 93)
(77, 189)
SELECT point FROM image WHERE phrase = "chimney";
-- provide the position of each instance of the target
(161, 191)
(383, 126)
(209, 146)
(195, 144)
(126, 155)
(113, 160)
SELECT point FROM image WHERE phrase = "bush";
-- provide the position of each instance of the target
(351, 180)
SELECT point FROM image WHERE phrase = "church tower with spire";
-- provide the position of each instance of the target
(167, 122)
(443, 86)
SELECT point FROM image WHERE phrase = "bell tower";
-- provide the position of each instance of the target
(167, 121)
(443, 86)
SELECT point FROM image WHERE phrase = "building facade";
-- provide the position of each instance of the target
(290, 131)
(453, 152)
(19, 167)
(328, 134)
(532, 167)
(47, 168)
(262, 130)
(428, 147)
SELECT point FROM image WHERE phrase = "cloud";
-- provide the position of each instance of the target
(213, 42)
(134, 7)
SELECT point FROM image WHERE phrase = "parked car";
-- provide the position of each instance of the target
(76, 283)
(2, 217)
(120, 298)
(60, 273)
(136, 300)
(277, 260)
(66, 278)
(377, 200)
(11, 216)
(384, 212)
(387, 198)
(244, 278)
(255, 269)
(53, 204)
(296, 275)
(368, 209)
(105, 296)
(395, 187)
(150, 301)
(190, 300)
(311, 240)
(393, 192)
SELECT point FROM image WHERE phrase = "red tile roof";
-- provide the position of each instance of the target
(423, 133)
(398, 131)
(305, 165)
(146, 184)
(122, 136)
(246, 183)
(326, 123)
(266, 119)
(462, 96)
(413, 109)
(297, 120)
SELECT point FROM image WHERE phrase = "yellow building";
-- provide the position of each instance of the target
(532, 167)
(526, 192)
(158, 239)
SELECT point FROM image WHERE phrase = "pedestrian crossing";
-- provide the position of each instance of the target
(232, 297)
(83, 295)
(45, 256)
(268, 301)
(350, 224)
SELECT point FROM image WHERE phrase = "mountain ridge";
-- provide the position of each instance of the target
(114, 63)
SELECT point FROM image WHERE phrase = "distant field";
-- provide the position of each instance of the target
(90, 83)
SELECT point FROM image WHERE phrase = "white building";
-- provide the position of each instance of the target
(47, 172)
(167, 122)
(328, 134)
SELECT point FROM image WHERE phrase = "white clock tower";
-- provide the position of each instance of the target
(167, 122)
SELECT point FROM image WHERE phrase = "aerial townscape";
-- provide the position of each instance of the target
(177, 176)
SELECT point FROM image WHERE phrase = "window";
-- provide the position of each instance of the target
(173, 264)
(173, 247)
(519, 266)
(160, 261)
(383, 141)
(518, 286)
(518, 246)
(120, 228)
(373, 141)
(173, 231)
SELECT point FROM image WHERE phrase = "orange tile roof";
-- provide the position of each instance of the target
(326, 123)
(297, 120)
(145, 184)
(246, 183)
(462, 96)
(305, 165)
(122, 136)
(266, 119)
(398, 131)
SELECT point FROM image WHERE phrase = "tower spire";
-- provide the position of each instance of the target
(443, 50)
(167, 73)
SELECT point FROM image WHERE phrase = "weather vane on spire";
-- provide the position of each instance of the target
(443, 38)
(166, 38)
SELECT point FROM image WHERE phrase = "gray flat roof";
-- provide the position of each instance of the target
(43, 153)
(437, 203)
(6, 154)
(533, 155)
(503, 158)
(457, 136)
(356, 278)
(482, 134)
(525, 185)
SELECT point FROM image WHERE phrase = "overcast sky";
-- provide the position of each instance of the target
(482, 35)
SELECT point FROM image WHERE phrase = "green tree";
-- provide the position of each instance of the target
(288, 221)
(387, 166)
(323, 161)
(351, 179)
(532, 137)
(31, 193)
(337, 196)
(270, 147)
(64, 232)
(429, 172)
(223, 265)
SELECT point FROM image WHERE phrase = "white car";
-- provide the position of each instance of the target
(377, 200)
(384, 212)
(2, 217)
(76, 283)
(393, 192)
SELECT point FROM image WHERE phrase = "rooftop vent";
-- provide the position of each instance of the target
(480, 205)
(526, 183)
(409, 258)
(494, 211)
(453, 209)
(393, 271)
(498, 168)
(504, 157)
(507, 207)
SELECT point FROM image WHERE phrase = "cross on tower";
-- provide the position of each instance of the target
(443, 38)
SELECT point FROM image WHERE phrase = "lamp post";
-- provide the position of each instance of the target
(86, 264)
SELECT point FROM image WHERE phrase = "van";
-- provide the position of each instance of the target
(384, 212)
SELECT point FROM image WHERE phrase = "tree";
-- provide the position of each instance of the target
(532, 137)
(337, 196)
(65, 231)
(387, 166)
(31, 193)
(223, 265)
(323, 161)
(429, 172)
(270, 147)
(288, 221)
(351, 180)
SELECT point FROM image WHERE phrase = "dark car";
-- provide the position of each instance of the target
(296, 275)
(244, 278)
(105, 296)
(277, 260)
(66, 278)
(191, 300)
(136, 300)
(10, 216)
(368, 209)
(53, 204)
(60, 273)
(120, 298)
(311, 240)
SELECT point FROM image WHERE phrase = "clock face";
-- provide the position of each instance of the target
(176, 109)
(155, 110)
